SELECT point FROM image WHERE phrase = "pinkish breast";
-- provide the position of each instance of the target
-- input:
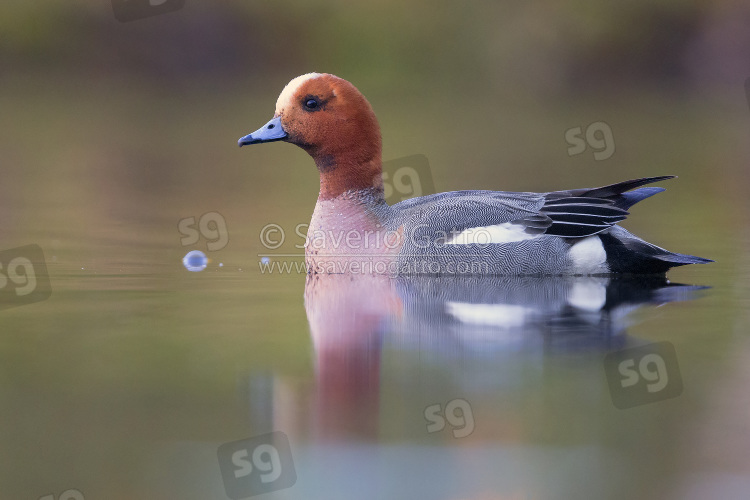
(347, 235)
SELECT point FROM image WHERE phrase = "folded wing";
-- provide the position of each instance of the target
(574, 213)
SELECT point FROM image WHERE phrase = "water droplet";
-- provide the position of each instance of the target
(265, 260)
(195, 261)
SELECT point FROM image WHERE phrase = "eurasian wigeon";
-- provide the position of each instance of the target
(460, 232)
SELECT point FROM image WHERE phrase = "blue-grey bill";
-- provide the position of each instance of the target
(271, 131)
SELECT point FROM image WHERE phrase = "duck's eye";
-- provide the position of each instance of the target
(311, 104)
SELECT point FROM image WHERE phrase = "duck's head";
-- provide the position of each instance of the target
(330, 119)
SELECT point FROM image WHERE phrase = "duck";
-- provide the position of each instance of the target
(353, 229)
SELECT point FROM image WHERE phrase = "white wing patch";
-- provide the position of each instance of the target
(286, 96)
(499, 233)
(589, 256)
(499, 315)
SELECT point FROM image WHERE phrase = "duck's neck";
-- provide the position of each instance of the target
(349, 172)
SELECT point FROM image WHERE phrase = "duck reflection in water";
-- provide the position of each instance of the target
(354, 318)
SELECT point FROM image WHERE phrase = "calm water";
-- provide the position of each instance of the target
(138, 379)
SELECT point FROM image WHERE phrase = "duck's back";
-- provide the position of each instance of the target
(507, 233)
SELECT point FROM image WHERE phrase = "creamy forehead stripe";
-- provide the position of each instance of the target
(285, 98)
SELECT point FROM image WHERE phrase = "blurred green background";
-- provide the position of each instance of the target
(111, 133)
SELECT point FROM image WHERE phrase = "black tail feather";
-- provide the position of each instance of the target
(621, 195)
(680, 259)
(621, 187)
(626, 253)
